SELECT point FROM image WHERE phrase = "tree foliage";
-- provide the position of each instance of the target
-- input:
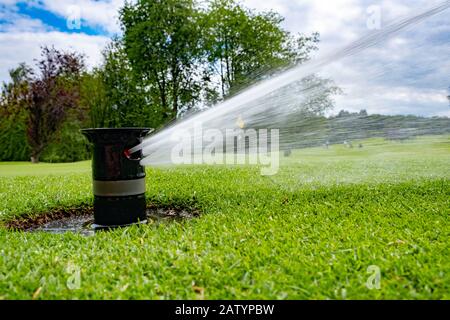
(53, 92)
(163, 43)
(244, 46)
(187, 56)
(13, 115)
(46, 95)
(113, 96)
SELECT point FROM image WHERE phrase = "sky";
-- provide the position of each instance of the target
(405, 74)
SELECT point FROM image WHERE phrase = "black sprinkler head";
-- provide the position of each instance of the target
(118, 177)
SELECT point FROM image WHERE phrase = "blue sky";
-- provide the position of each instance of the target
(409, 73)
(57, 21)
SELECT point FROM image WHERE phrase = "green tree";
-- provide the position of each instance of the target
(245, 46)
(14, 95)
(94, 100)
(13, 115)
(128, 100)
(176, 55)
(162, 40)
(113, 96)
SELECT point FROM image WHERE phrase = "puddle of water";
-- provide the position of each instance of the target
(84, 224)
(78, 224)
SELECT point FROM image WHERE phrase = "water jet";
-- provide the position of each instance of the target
(118, 177)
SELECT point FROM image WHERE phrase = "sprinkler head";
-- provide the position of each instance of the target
(118, 177)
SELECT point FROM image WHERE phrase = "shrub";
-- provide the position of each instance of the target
(13, 139)
(70, 146)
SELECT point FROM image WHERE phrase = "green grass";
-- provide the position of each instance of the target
(16, 169)
(309, 232)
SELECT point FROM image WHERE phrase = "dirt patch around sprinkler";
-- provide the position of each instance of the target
(81, 219)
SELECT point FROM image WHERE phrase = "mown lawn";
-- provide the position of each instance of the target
(309, 232)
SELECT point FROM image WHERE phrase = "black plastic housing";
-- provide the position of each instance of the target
(113, 166)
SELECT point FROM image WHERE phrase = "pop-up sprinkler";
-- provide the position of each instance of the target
(118, 177)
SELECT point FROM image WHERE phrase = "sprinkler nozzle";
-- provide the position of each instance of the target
(127, 153)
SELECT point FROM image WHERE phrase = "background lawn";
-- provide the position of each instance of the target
(309, 232)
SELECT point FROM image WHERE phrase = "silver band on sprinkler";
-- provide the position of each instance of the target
(120, 188)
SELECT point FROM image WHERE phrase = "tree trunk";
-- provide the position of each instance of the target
(35, 155)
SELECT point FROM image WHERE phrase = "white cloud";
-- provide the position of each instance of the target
(19, 22)
(25, 47)
(336, 20)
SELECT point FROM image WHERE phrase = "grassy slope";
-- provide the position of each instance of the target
(309, 232)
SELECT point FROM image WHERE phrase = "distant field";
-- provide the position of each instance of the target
(15, 169)
(377, 161)
(309, 232)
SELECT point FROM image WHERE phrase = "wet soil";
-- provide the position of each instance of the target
(81, 219)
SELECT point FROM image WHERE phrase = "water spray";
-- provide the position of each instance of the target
(258, 100)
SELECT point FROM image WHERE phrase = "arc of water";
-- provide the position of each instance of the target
(296, 73)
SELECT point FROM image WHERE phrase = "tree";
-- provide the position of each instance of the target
(312, 95)
(244, 46)
(183, 55)
(113, 95)
(52, 93)
(13, 99)
(162, 40)
(129, 101)
(94, 100)
(14, 96)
